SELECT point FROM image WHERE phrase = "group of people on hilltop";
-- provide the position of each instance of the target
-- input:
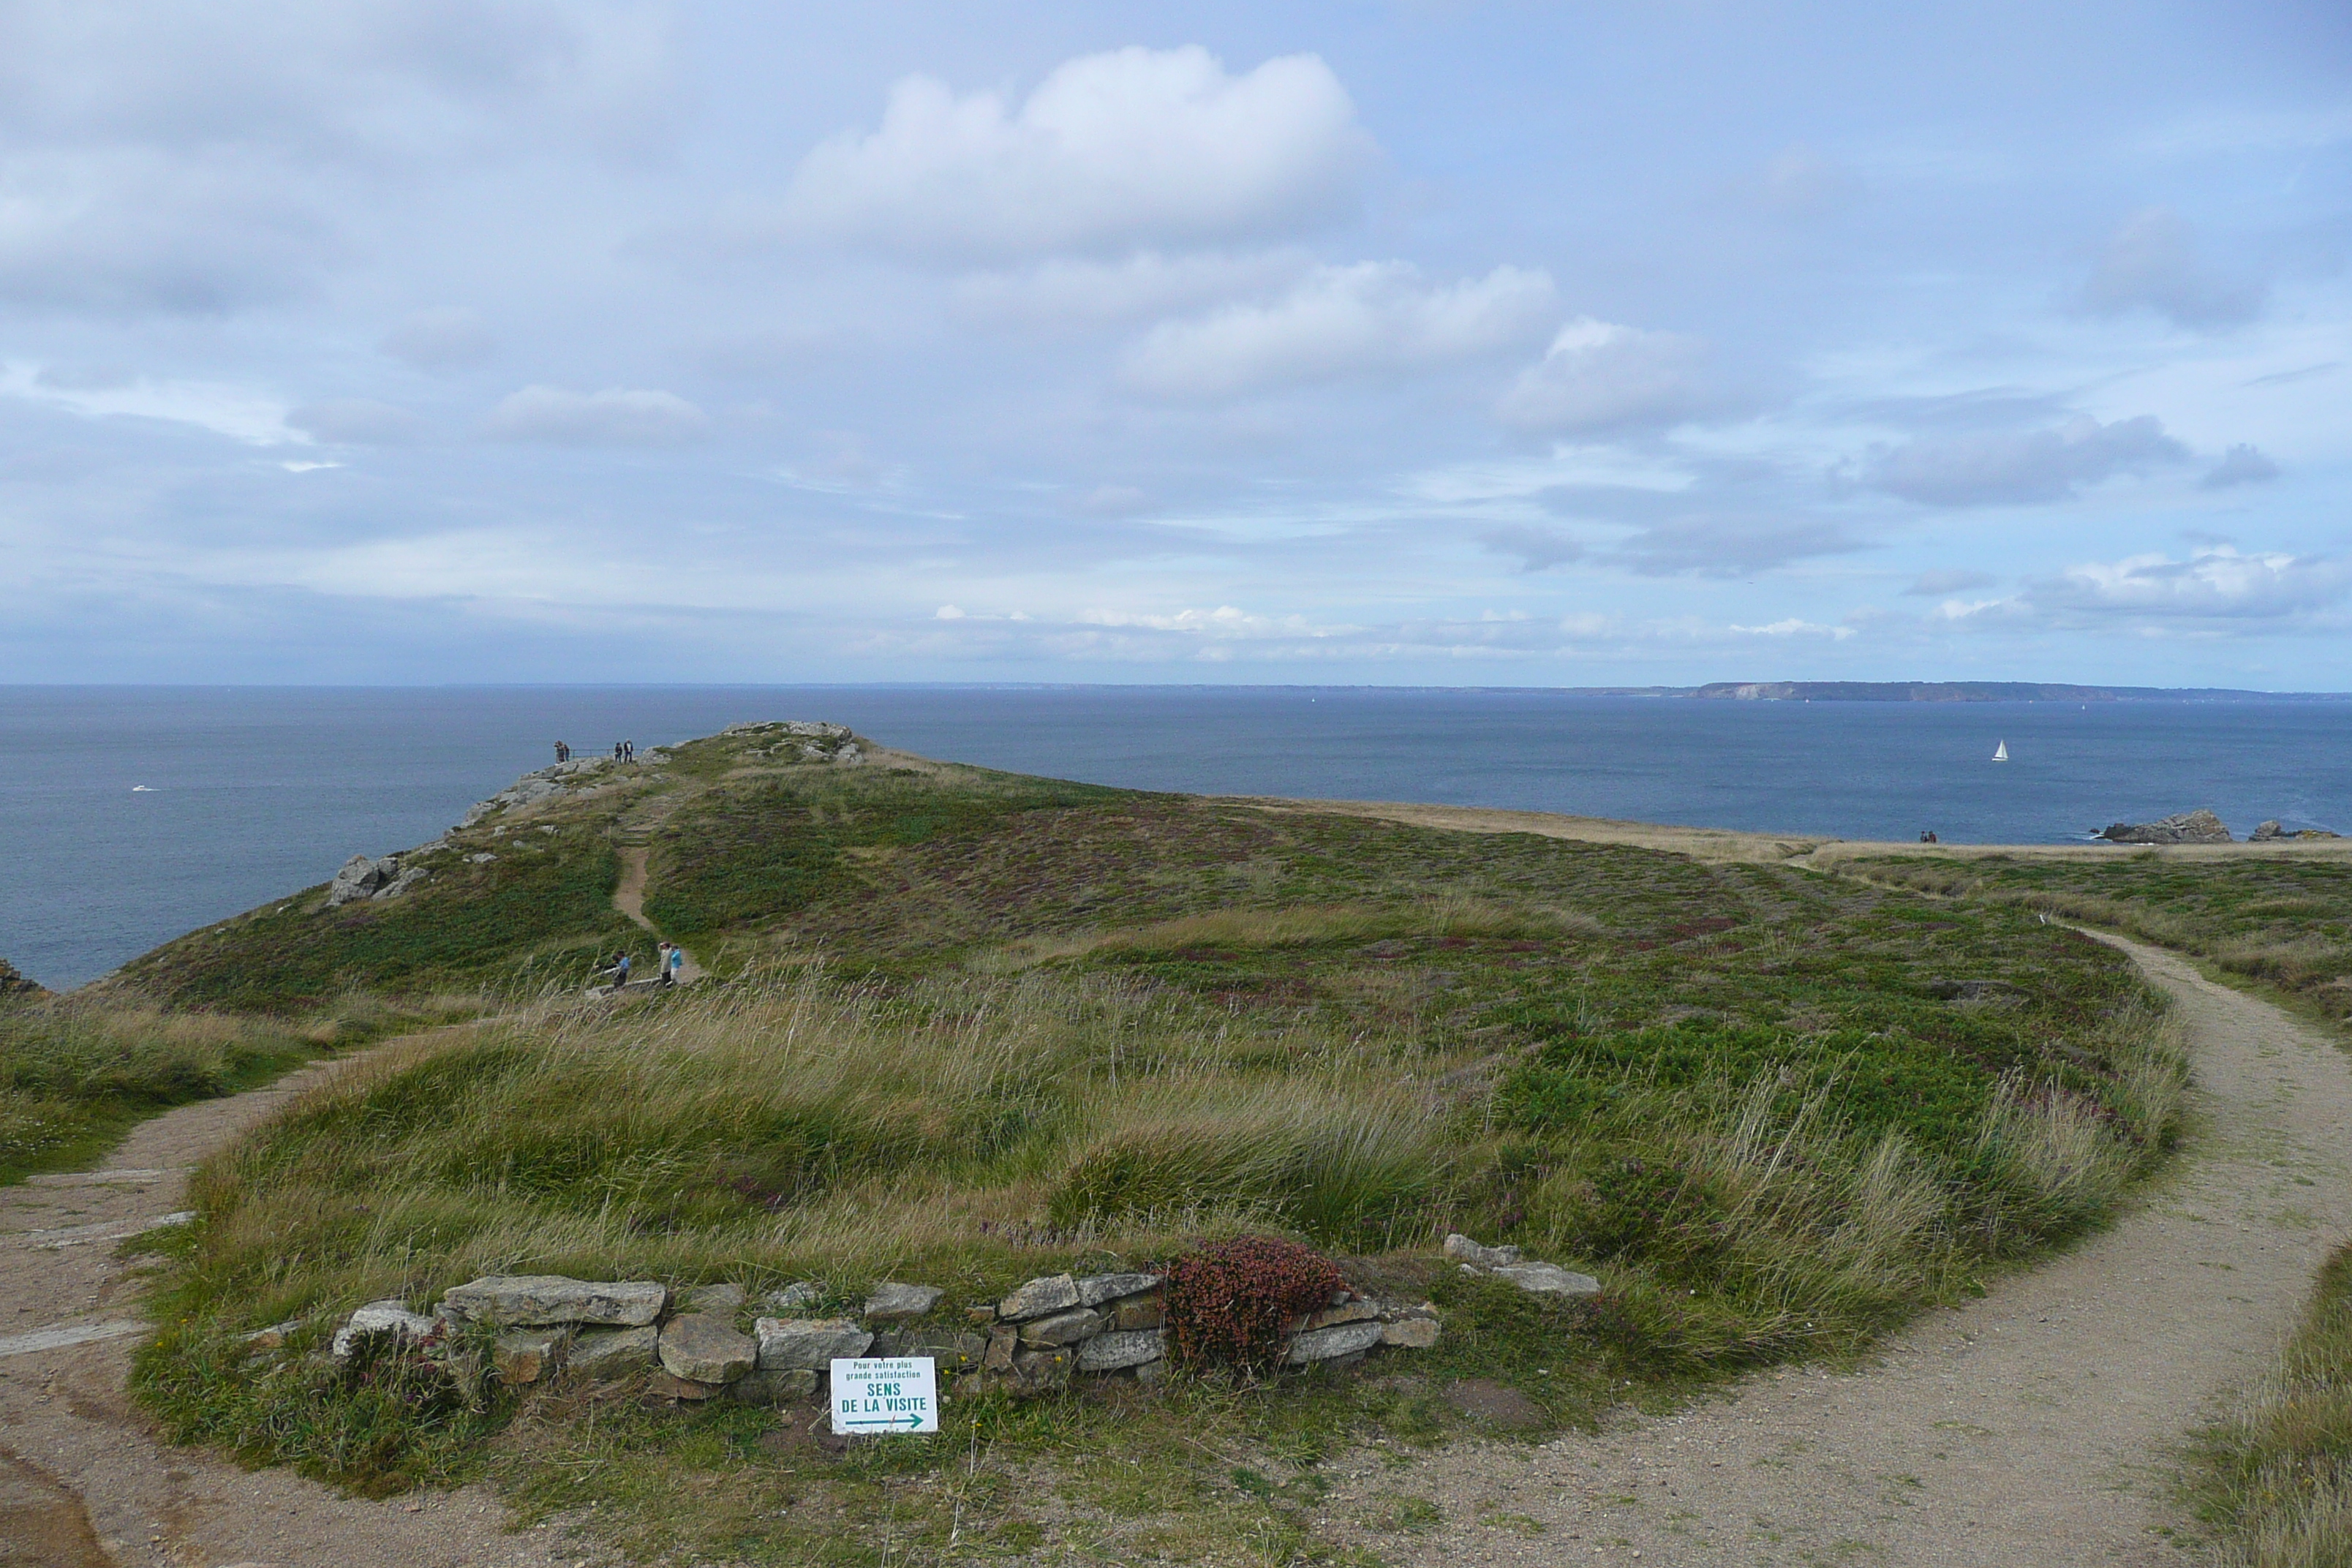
(623, 751)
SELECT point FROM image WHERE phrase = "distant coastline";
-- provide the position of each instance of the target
(1977, 692)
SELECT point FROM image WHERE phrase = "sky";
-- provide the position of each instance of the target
(1435, 343)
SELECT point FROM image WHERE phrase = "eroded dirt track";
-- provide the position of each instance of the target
(84, 1481)
(2032, 1429)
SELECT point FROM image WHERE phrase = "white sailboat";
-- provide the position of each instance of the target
(2001, 753)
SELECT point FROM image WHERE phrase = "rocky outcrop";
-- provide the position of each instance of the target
(2269, 832)
(15, 988)
(1506, 1263)
(800, 741)
(2198, 827)
(363, 877)
(546, 784)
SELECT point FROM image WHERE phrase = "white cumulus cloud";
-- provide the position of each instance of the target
(616, 416)
(1134, 147)
(1368, 318)
(1601, 376)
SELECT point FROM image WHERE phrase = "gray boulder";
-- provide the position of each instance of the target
(891, 1302)
(1097, 1289)
(1330, 1345)
(361, 877)
(811, 1343)
(705, 1348)
(387, 1317)
(408, 877)
(1463, 1250)
(1055, 1293)
(2198, 827)
(517, 1300)
(2267, 831)
(1548, 1280)
(1112, 1352)
(1061, 1328)
(607, 1354)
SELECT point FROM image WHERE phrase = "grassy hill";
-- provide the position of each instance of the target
(971, 1028)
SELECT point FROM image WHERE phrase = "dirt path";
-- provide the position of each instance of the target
(84, 1481)
(629, 898)
(2030, 1429)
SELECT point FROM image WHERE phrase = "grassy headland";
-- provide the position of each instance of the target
(978, 1027)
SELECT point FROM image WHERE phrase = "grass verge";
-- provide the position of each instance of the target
(2274, 1481)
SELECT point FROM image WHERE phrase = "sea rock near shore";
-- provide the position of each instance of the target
(2198, 827)
(2271, 831)
(15, 988)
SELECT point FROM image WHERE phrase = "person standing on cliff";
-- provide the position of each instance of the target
(661, 963)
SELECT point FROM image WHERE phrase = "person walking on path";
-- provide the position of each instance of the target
(621, 974)
(662, 964)
(675, 973)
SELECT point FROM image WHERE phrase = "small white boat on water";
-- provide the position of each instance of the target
(2000, 752)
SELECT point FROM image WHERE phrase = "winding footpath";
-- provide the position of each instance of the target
(86, 1483)
(2032, 1429)
(2035, 1428)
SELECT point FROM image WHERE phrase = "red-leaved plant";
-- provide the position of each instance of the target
(1228, 1302)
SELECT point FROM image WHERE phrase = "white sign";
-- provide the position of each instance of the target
(883, 1395)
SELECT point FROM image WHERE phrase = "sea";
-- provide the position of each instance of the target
(130, 815)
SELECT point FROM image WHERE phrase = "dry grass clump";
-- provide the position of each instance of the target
(2276, 1480)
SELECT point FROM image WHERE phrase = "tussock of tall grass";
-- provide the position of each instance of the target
(76, 1069)
(1302, 927)
(2275, 1479)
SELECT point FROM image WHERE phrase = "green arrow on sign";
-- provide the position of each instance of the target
(910, 1419)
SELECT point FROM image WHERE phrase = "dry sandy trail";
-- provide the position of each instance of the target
(84, 1481)
(2030, 1429)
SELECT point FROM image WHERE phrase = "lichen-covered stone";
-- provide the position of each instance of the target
(891, 1302)
(1548, 1280)
(608, 1354)
(705, 1347)
(529, 1355)
(1055, 1293)
(526, 1300)
(1001, 1345)
(1463, 1250)
(813, 1342)
(1110, 1352)
(1096, 1289)
(388, 1317)
(1062, 1328)
(1041, 1371)
(1330, 1344)
(1354, 1311)
(1411, 1333)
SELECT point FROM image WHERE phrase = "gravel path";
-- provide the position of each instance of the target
(2030, 1429)
(84, 1481)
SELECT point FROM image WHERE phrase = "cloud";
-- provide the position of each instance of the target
(1802, 181)
(1074, 290)
(1370, 318)
(2153, 262)
(1133, 148)
(2216, 588)
(357, 421)
(1600, 377)
(2019, 467)
(238, 413)
(445, 339)
(130, 231)
(1536, 549)
(1793, 628)
(2213, 584)
(1710, 544)
(1953, 581)
(2240, 465)
(616, 416)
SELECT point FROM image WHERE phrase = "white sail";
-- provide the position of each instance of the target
(2001, 753)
